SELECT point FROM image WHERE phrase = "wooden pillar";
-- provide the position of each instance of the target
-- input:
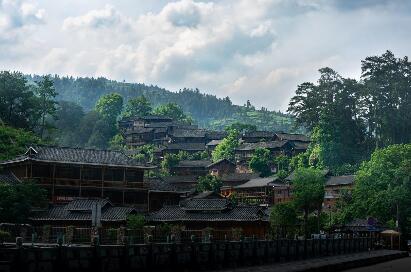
(124, 182)
(102, 181)
(27, 171)
(81, 178)
(54, 182)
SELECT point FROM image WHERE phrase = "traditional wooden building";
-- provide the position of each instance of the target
(245, 151)
(83, 212)
(258, 136)
(191, 168)
(190, 148)
(335, 187)
(221, 168)
(219, 214)
(68, 173)
(211, 145)
(181, 135)
(269, 190)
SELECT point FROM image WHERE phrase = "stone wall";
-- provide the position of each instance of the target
(173, 256)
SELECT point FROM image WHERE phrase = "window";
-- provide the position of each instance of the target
(69, 172)
(111, 174)
(91, 173)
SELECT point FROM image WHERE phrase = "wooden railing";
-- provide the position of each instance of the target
(90, 183)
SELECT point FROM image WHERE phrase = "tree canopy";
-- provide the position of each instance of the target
(16, 201)
(174, 111)
(383, 186)
(137, 107)
(260, 162)
(226, 149)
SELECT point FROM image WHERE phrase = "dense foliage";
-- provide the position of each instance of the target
(383, 187)
(308, 191)
(226, 149)
(17, 201)
(14, 141)
(209, 183)
(260, 162)
(207, 110)
(348, 119)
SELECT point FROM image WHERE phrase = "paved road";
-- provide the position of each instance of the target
(400, 265)
(329, 263)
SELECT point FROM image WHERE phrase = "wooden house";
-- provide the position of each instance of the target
(245, 151)
(191, 168)
(258, 136)
(335, 187)
(67, 173)
(269, 190)
(221, 168)
(83, 212)
(218, 214)
(190, 148)
(181, 135)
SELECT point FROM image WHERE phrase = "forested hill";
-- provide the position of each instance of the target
(207, 110)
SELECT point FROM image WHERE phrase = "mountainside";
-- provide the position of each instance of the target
(207, 110)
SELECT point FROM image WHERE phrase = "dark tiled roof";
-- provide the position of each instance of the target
(238, 177)
(214, 142)
(138, 130)
(65, 213)
(191, 133)
(207, 195)
(205, 204)
(259, 134)
(268, 145)
(155, 118)
(86, 204)
(186, 146)
(160, 185)
(234, 214)
(8, 177)
(216, 135)
(77, 156)
(164, 125)
(194, 163)
(219, 162)
(292, 137)
(300, 145)
(340, 180)
(181, 179)
(291, 177)
(257, 182)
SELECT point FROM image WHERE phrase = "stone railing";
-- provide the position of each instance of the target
(174, 256)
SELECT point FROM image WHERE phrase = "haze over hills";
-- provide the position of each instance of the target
(207, 110)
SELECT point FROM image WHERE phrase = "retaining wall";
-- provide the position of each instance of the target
(173, 256)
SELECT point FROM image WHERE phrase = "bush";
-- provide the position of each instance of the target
(136, 221)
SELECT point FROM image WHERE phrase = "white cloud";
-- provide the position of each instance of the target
(258, 50)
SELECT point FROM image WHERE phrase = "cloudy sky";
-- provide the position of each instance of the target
(253, 49)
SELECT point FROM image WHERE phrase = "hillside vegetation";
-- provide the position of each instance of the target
(207, 110)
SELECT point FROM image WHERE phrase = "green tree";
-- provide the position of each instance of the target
(14, 141)
(282, 162)
(174, 111)
(136, 221)
(387, 98)
(308, 191)
(226, 149)
(209, 183)
(283, 219)
(260, 162)
(17, 201)
(68, 119)
(137, 107)
(110, 106)
(17, 101)
(383, 186)
(241, 127)
(117, 142)
(47, 105)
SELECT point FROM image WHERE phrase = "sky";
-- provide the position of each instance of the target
(257, 50)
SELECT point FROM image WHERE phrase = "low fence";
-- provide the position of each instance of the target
(116, 236)
(174, 256)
